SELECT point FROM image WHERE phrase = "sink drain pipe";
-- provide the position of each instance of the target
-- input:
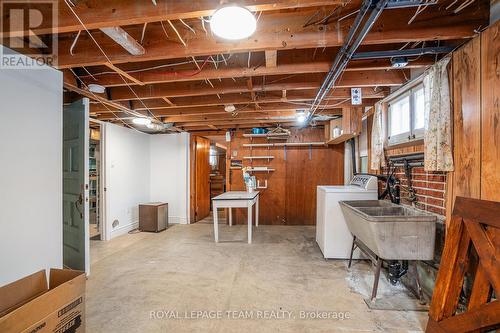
(396, 270)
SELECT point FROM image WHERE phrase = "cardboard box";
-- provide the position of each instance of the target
(29, 305)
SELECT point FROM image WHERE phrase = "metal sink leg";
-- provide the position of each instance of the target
(378, 267)
(352, 251)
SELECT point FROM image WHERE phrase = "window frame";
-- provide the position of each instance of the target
(413, 134)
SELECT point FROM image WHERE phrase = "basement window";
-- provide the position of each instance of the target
(405, 115)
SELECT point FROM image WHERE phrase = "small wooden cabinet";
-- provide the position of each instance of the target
(349, 125)
(153, 216)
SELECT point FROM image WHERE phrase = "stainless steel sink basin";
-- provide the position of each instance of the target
(391, 231)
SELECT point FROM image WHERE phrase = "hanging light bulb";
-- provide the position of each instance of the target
(233, 22)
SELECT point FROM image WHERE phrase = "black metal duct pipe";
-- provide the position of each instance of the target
(402, 53)
(340, 63)
(333, 70)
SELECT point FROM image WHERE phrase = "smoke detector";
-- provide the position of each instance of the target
(399, 62)
(229, 108)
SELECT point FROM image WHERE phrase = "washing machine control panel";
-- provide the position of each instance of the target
(365, 181)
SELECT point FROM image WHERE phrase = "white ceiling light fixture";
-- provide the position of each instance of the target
(233, 22)
(96, 88)
(141, 121)
(301, 116)
(229, 108)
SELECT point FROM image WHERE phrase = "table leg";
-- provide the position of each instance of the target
(230, 216)
(250, 208)
(257, 212)
(216, 224)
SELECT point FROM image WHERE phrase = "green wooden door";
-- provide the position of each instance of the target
(75, 185)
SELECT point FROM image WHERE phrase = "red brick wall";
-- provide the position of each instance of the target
(429, 187)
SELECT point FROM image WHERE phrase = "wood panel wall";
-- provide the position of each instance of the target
(490, 106)
(476, 115)
(290, 198)
(467, 120)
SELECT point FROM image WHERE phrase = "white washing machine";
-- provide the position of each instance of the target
(332, 234)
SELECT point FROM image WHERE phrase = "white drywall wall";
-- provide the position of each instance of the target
(30, 171)
(127, 178)
(170, 174)
(142, 168)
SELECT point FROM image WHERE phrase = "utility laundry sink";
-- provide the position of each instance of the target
(391, 231)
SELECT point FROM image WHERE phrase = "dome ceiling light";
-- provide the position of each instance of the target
(233, 22)
(141, 121)
(96, 88)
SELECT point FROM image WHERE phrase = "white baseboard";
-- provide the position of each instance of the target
(177, 220)
(122, 230)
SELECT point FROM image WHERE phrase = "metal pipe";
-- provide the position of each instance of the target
(402, 53)
(409, 3)
(412, 157)
(331, 79)
(339, 63)
(357, 23)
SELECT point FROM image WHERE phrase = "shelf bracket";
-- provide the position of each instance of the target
(260, 186)
(284, 148)
(310, 152)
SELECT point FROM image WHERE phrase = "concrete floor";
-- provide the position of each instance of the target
(136, 277)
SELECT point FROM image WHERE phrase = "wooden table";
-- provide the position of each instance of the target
(236, 199)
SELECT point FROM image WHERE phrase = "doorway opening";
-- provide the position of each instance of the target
(95, 182)
(208, 175)
(217, 170)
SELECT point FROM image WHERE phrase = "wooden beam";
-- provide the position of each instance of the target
(122, 73)
(168, 101)
(182, 89)
(211, 110)
(122, 38)
(296, 96)
(271, 58)
(219, 123)
(153, 77)
(101, 14)
(282, 31)
(69, 83)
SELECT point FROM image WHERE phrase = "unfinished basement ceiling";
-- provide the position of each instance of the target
(267, 77)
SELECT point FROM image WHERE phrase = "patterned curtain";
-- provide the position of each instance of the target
(377, 144)
(438, 132)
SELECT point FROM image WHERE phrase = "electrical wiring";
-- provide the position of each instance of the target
(203, 25)
(143, 32)
(106, 56)
(86, 70)
(74, 42)
(419, 10)
(188, 26)
(164, 30)
(97, 99)
(158, 67)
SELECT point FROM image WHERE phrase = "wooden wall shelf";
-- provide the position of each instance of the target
(341, 138)
(258, 157)
(350, 124)
(266, 135)
(284, 144)
(260, 170)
